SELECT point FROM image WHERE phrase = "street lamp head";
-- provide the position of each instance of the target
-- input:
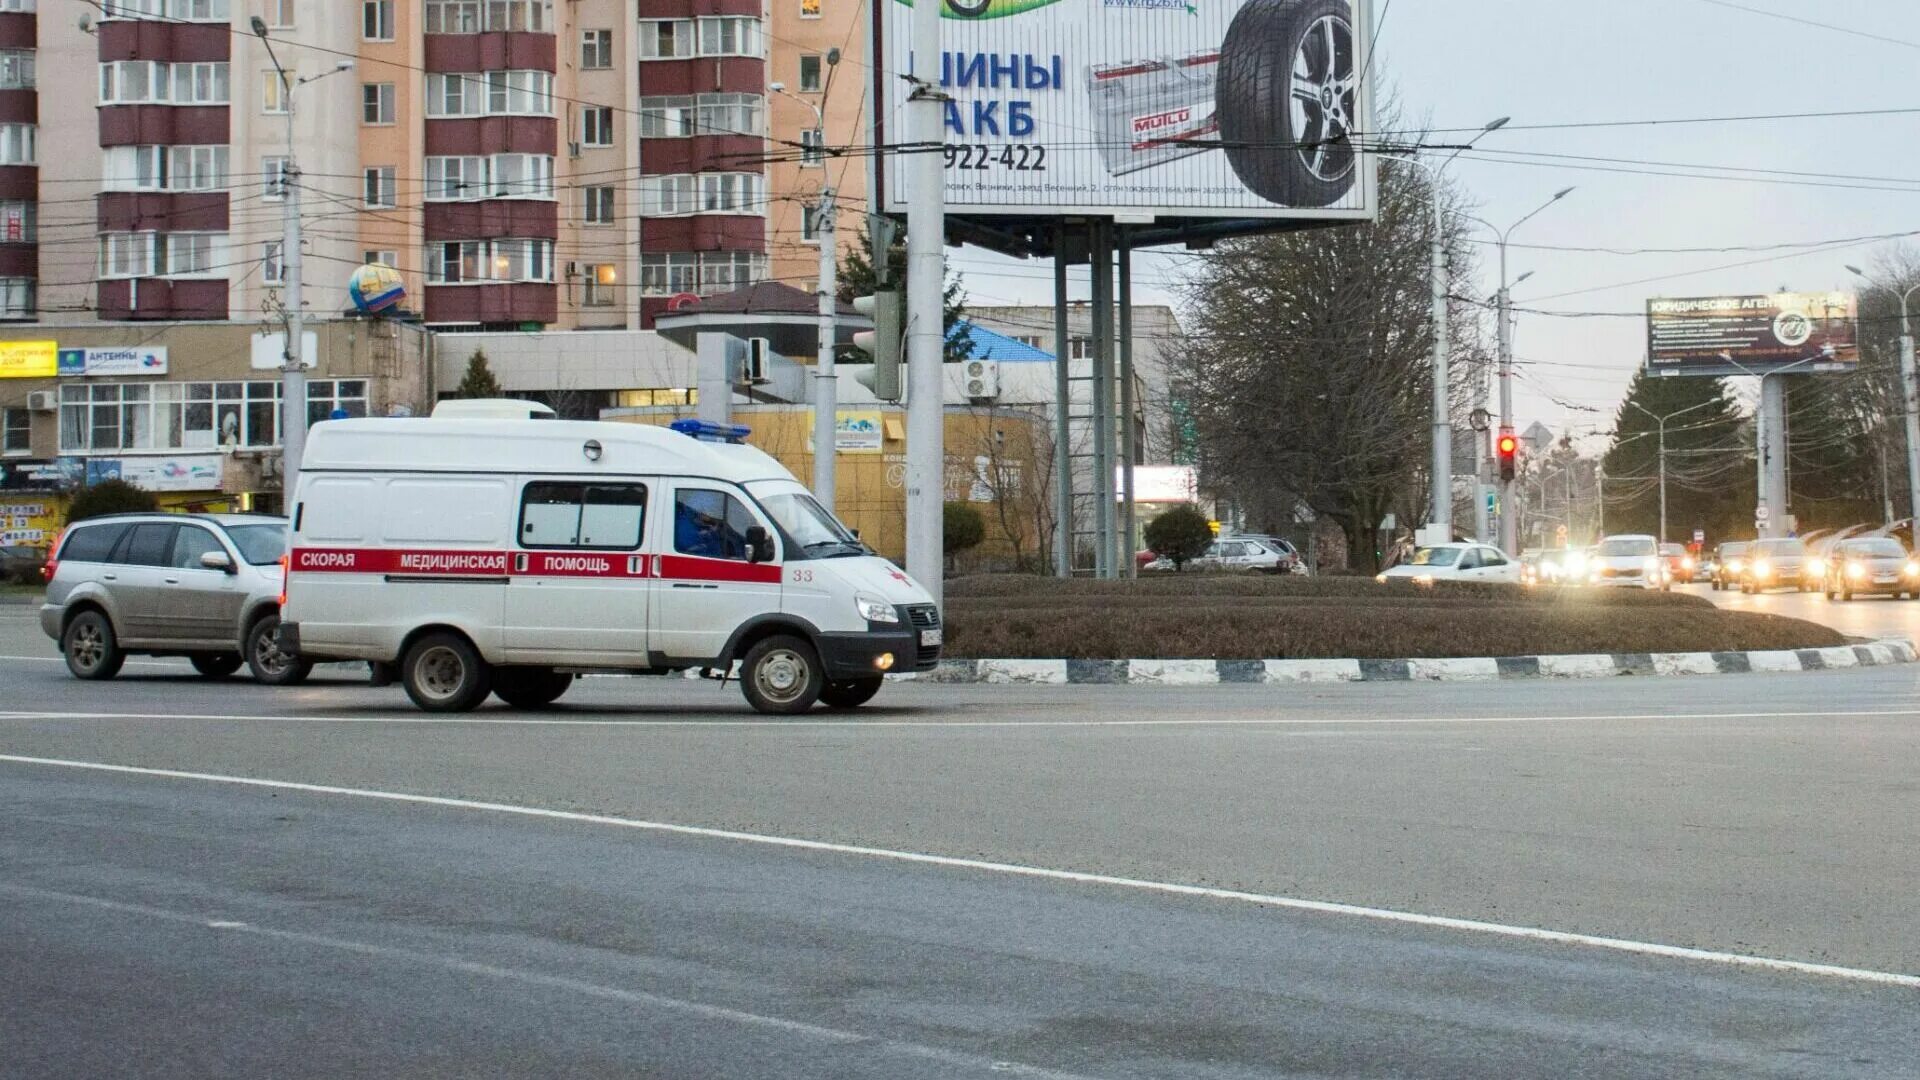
(1562, 193)
(1495, 126)
(1522, 277)
(344, 65)
(1855, 271)
(833, 56)
(259, 27)
(777, 87)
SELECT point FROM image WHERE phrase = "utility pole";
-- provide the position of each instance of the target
(1660, 423)
(1909, 393)
(825, 388)
(293, 371)
(926, 277)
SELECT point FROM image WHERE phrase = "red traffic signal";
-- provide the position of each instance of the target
(1506, 448)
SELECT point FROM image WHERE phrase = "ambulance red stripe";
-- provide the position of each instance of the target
(580, 564)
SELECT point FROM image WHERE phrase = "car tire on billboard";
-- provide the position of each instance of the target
(969, 9)
(1288, 146)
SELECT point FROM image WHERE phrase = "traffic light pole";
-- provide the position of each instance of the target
(926, 276)
(1909, 395)
(825, 385)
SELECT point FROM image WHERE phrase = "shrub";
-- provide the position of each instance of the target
(961, 527)
(1179, 533)
(110, 497)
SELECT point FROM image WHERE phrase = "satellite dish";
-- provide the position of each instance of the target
(86, 22)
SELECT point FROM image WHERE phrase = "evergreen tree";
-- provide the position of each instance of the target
(1833, 459)
(1710, 465)
(856, 277)
(478, 382)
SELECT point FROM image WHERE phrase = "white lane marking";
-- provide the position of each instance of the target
(558, 982)
(1322, 907)
(59, 660)
(1277, 721)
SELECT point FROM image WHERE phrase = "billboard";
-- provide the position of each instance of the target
(139, 360)
(1754, 334)
(1141, 109)
(29, 359)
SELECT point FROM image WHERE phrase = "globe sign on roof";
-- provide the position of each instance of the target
(375, 288)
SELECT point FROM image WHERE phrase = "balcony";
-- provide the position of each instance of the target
(703, 75)
(168, 125)
(162, 211)
(156, 39)
(531, 218)
(19, 260)
(19, 106)
(705, 153)
(517, 302)
(705, 232)
(485, 135)
(161, 298)
(493, 50)
(18, 30)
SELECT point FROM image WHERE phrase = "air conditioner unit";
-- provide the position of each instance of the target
(983, 379)
(573, 269)
(759, 356)
(43, 401)
(573, 149)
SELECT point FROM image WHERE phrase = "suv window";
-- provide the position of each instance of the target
(189, 544)
(92, 543)
(713, 524)
(151, 545)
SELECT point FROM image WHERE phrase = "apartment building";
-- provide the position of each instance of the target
(19, 158)
(806, 35)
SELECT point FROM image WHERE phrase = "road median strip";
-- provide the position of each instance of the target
(1156, 672)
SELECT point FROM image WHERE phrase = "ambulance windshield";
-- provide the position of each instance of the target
(814, 531)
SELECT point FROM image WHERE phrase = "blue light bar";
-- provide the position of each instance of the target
(712, 431)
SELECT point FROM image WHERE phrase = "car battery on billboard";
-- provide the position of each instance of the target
(1151, 112)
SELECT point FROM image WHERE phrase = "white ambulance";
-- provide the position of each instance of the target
(505, 555)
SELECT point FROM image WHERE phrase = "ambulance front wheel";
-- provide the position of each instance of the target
(1287, 99)
(443, 672)
(850, 693)
(782, 675)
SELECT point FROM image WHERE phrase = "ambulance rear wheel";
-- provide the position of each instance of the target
(530, 687)
(444, 673)
(850, 693)
(782, 675)
(1287, 100)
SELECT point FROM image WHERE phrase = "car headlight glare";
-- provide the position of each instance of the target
(874, 609)
(1856, 570)
(1762, 568)
(1816, 566)
(1913, 569)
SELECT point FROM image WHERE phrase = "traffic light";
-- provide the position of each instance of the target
(882, 343)
(1507, 448)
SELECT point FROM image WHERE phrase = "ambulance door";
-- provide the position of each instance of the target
(707, 584)
(579, 578)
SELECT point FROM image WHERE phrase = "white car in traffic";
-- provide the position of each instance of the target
(1632, 561)
(1456, 562)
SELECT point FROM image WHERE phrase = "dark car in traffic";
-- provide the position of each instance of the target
(1779, 563)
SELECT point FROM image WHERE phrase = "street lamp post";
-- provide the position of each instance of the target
(293, 372)
(1660, 423)
(1909, 392)
(826, 389)
(1510, 522)
(1442, 479)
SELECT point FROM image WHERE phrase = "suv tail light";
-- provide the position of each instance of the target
(47, 568)
(283, 582)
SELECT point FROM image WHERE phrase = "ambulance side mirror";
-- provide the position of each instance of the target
(759, 544)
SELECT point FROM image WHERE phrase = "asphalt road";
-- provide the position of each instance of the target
(1089, 881)
(1865, 616)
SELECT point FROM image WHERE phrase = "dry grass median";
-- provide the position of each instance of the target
(1234, 617)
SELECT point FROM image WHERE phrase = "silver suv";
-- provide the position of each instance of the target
(203, 586)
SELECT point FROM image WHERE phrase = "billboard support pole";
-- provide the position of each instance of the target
(1062, 414)
(1101, 263)
(1773, 456)
(1442, 478)
(926, 280)
(1128, 451)
(1910, 402)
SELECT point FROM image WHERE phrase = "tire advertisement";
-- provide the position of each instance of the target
(1136, 108)
(1750, 335)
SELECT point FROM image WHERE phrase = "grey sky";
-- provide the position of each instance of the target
(1465, 62)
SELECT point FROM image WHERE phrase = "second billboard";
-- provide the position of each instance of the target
(1753, 334)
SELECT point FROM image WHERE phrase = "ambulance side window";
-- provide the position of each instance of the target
(710, 523)
(602, 516)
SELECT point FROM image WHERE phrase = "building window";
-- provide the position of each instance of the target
(16, 69)
(596, 49)
(502, 176)
(666, 39)
(19, 221)
(16, 431)
(810, 67)
(809, 9)
(273, 91)
(1079, 348)
(383, 258)
(164, 168)
(376, 20)
(20, 6)
(175, 10)
(376, 103)
(271, 271)
(472, 16)
(665, 274)
(493, 93)
(810, 224)
(729, 114)
(666, 117)
(273, 178)
(326, 396)
(129, 255)
(189, 415)
(600, 285)
(380, 187)
(596, 126)
(280, 12)
(146, 82)
(730, 35)
(17, 298)
(18, 144)
(481, 261)
(599, 208)
(680, 194)
(1031, 341)
(813, 147)
(194, 254)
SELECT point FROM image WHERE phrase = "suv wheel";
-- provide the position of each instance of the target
(444, 673)
(269, 664)
(91, 649)
(216, 665)
(782, 675)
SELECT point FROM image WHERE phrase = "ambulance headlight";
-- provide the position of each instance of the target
(874, 609)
